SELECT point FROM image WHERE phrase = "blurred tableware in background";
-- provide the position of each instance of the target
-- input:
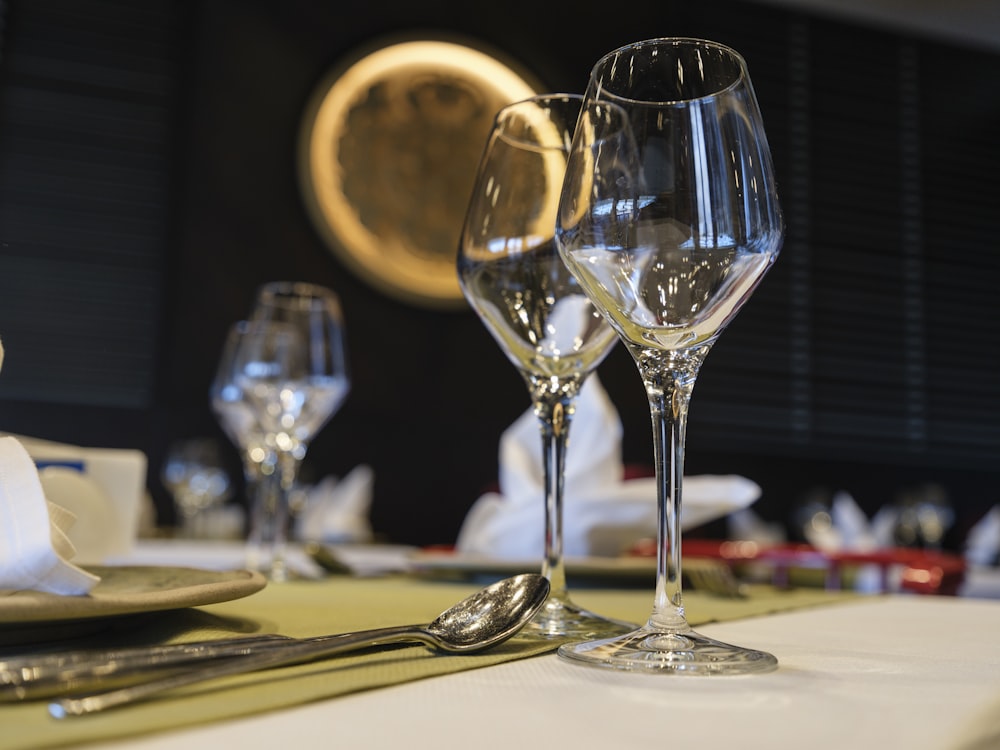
(291, 365)
(237, 416)
(112, 481)
(923, 516)
(897, 569)
(195, 474)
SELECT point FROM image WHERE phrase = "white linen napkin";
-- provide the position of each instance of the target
(982, 543)
(746, 526)
(849, 529)
(104, 487)
(603, 514)
(35, 552)
(337, 510)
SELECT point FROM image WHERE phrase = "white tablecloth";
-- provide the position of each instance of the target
(909, 672)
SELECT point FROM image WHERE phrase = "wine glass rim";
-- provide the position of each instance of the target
(675, 41)
(539, 99)
(298, 288)
(299, 295)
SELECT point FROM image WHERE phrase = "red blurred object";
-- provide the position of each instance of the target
(913, 570)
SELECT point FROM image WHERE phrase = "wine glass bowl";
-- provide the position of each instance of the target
(510, 272)
(670, 219)
(231, 405)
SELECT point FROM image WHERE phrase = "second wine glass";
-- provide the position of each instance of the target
(511, 273)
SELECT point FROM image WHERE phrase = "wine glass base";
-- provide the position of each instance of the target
(561, 618)
(686, 652)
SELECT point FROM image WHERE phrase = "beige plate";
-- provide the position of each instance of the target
(389, 150)
(124, 590)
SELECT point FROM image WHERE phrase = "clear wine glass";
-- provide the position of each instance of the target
(194, 473)
(512, 275)
(669, 233)
(238, 418)
(291, 363)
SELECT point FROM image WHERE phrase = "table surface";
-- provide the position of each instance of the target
(899, 671)
(884, 672)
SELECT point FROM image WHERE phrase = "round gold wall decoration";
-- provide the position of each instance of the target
(390, 146)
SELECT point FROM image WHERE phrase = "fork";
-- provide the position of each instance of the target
(713, 576)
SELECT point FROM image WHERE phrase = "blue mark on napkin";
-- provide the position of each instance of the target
(75, 465)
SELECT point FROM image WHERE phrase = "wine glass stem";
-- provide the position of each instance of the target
(269, 516)
(669, 380)
(554, 413)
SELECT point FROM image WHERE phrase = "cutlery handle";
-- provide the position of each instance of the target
(26, 678)
(293, 652)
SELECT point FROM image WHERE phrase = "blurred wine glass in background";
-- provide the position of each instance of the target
(290, 366)
(238, 419)
(194, 473)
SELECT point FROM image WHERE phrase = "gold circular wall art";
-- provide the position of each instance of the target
(390, 146)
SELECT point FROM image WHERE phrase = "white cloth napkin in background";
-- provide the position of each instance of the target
(746, 526)
(603, 514)
(35, 552)
(849, 529)
(982, 543)
(337, 510)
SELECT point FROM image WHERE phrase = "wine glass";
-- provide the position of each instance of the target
(291, 363)
(512, 276)
(194, 473)
(237, 417)
(669, 233)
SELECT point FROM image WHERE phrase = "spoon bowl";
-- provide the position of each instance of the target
(491, 615)
(484, 619)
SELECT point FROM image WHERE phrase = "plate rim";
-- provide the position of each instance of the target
(21, 608)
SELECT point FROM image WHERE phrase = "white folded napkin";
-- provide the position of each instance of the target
(746, 526)
(94, 483)
(603, 514)
(337, 510)
(982, 543)
(35, 552)
(849, 529)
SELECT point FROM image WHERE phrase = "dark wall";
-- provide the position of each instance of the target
(432, 392)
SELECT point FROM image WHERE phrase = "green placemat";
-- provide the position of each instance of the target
(331, 606)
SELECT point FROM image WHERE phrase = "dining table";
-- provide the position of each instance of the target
(855, 670)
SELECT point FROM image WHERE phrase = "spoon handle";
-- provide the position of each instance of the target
(41, 675)
(274, 655)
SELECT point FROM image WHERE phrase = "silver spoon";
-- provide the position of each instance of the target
(487, 618)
